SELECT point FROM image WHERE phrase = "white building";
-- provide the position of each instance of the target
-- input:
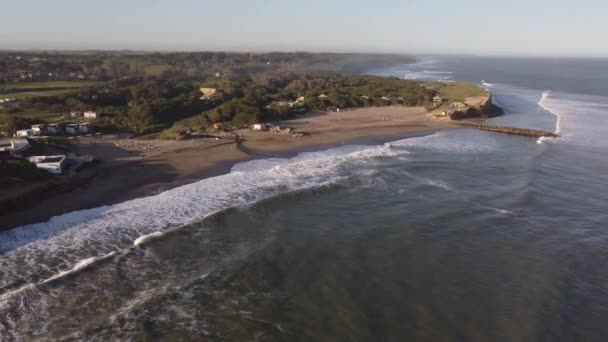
(24, 133)
(39, 129)
(52, 164)
(90, 115)
(259, 127)
(18, 146)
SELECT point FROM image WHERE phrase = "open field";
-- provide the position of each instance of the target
(456, 91)
(32, 89)
(48, 85)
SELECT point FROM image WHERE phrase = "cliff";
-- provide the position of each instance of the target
(478, 107)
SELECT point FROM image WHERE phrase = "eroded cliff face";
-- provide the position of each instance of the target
(479, 107)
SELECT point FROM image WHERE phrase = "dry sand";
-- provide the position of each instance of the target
(133, 168)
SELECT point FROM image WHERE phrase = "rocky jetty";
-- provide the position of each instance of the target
(508, 130)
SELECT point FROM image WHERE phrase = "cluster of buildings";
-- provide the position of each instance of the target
(9, 103)
(43, 156)
(55, 129)
(22, 149)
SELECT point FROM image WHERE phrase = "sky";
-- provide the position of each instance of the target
(483, 27)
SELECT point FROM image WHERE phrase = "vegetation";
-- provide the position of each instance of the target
(456, 91)
(152, 93)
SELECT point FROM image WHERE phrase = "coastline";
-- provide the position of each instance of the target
(132, 169)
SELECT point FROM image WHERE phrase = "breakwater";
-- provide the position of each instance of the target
(507, 130)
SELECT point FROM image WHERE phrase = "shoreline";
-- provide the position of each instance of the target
(159, 166)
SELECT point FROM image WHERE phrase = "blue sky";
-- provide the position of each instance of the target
(508, 27)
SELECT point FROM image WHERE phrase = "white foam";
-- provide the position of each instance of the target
(81, 265)
(76, 240)
(543, 103)
(146, 238)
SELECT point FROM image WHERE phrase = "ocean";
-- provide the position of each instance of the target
(460, 235)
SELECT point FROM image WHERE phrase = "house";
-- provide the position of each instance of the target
(333, 109)
(258, 127)
(52, 164)
(364, 97)
(301, 99)
(384, 98)
(24, 133)
(71, 129)
(323, 97)
(39, 129)
(18, 146)
(400, 100)
(458, 104)
(53, 129)
(75, 115)
(209, 93)
(90, 115)
(437, 99)
(84, 128)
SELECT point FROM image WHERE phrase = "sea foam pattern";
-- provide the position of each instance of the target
(42, 252)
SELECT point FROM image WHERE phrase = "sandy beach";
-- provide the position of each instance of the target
(131, 168)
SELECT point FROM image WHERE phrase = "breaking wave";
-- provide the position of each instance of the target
(46, 252)
(543, 104)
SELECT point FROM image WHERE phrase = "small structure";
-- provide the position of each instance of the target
(84, 128)
(365, 97)
(459, 105)
(209, 93)
(75, 115)
(301, 99)
(53, 129)
(71, 129)
(39, 129)
(90, 115)
(24, 133)
(259, 127)
(52, 164)
(323, 97)
(400, 100)
(437, 99)
(18, 146)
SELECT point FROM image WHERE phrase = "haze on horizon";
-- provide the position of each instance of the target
(515, 27)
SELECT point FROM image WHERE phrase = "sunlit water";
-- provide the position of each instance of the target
(461, 235)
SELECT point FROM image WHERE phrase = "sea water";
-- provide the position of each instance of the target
(457, 235)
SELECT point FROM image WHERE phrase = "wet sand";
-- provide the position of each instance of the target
(130, 169)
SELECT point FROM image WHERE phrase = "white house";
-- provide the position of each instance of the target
(259, 127)
(52, 164)
(18, 146)
(323, 97)
(24, 133)
(90, 115)
(38, 129)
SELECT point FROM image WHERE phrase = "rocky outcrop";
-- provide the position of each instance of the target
(479, 107)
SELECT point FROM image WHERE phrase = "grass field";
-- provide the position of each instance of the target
(32, 114)
(456, 91)
(32, 89)
(48, 85)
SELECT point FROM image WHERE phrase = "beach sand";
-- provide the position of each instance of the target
(130, 168)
